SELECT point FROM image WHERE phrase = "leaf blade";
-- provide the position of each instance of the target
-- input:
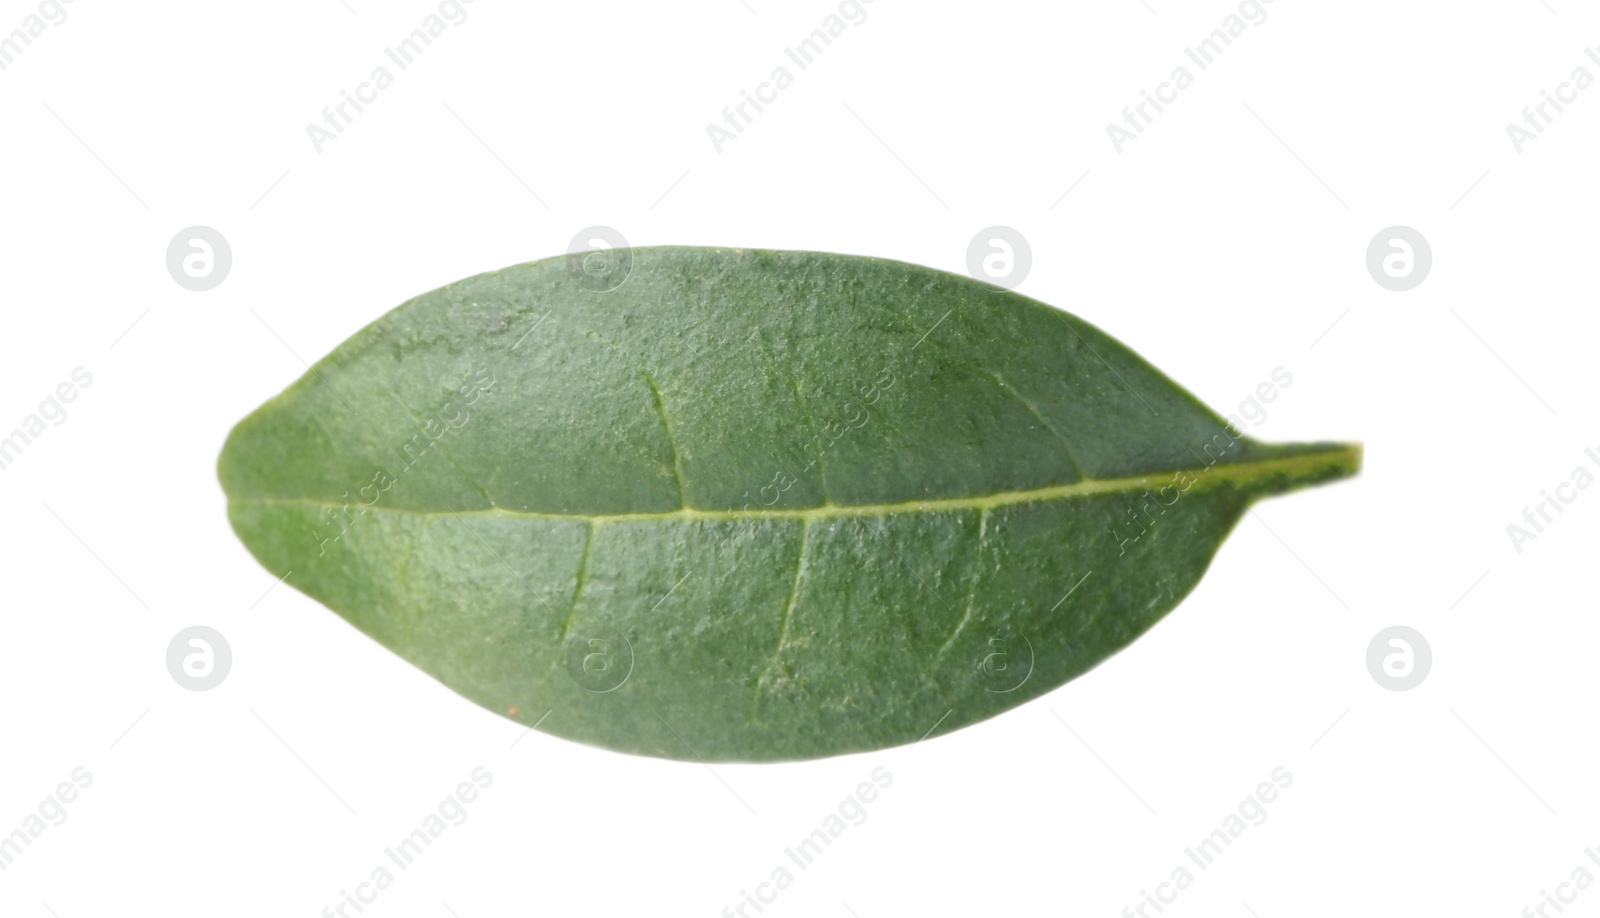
(906, 530)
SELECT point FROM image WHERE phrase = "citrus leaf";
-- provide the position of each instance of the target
(726, 504)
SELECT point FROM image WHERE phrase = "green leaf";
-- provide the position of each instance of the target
(728, 504)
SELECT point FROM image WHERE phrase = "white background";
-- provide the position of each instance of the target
(1221, 244)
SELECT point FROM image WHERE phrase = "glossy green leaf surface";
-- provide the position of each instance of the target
(744, 505)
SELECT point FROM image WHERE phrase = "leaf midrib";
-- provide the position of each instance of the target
(1345, 458)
